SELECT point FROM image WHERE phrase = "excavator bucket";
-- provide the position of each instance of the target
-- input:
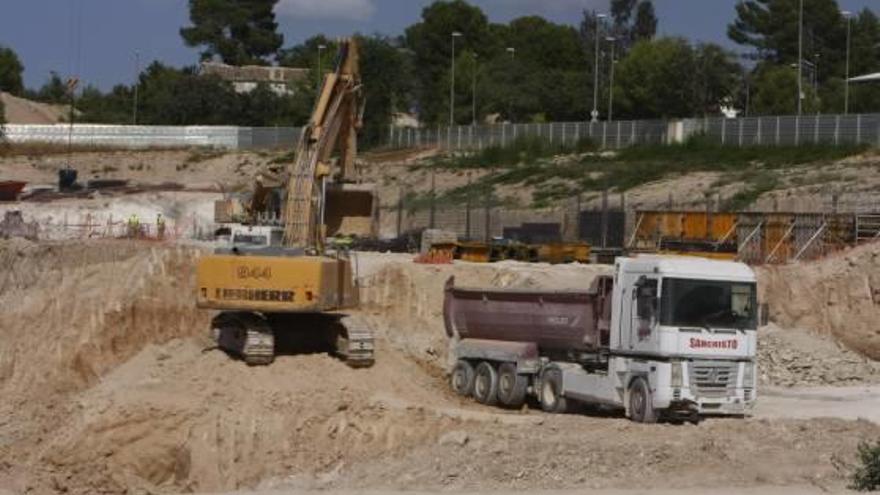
(352, 210)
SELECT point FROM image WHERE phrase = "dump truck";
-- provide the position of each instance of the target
(663, 337)
(279, 280)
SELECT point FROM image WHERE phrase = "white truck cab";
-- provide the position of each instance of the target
(688, 326)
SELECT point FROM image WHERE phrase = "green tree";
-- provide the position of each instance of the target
(238, 31)
(10, 71)
(115, 107)
(52, 91)
(771, 28)
(650, 84)
(645, 25)
(431, 43)
(170, 96)
(864, 59)
(775, 92)
(718, 79)
(387, 76)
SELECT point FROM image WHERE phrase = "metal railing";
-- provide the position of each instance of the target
(788, 130)
(142, 136)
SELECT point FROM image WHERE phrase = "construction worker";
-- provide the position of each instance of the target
(160, 226)
(134, 226)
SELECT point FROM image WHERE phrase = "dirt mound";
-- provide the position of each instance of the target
(838, 296)
(23, 111)
(799, 357)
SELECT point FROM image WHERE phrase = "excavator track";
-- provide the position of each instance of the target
(246, 335)
(355, 342)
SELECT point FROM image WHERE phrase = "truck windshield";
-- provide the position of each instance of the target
(708, 303)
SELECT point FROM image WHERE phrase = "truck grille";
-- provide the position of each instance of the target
(712, 379)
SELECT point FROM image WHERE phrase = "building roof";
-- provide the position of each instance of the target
(875, 77)
(254, 73)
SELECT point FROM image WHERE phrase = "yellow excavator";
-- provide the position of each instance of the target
(280, 281)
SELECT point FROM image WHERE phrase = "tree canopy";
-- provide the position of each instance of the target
(239, 32)
(11, 70)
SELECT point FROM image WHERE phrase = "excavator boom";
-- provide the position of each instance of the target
(333, 126)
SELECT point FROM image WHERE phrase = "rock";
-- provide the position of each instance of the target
(458, 437)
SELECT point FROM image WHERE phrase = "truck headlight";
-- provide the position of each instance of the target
(749, 375)
(676, 378)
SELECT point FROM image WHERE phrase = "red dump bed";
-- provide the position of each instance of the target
(554, 320)
(10, 189)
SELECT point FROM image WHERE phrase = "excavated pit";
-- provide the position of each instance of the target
(110, 385)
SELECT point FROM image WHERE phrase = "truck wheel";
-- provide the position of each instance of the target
(641, 406)
(486, 384)
(552, 400)
(462, 378)
(511, 386)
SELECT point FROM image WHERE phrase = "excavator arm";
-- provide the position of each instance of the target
(334, 124)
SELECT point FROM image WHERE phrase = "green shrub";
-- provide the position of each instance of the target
(866, 476)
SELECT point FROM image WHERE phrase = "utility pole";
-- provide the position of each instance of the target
(612, 40)
(848, 16)
(594, 115)
(455, 34)
(320, 68)
(800, 96)
(474, 94)
(137, 75)
(512, 51)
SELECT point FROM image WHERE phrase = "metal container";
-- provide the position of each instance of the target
(11, 189)
(554, 320)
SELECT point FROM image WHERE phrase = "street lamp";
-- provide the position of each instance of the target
(611, 40)
(474, 93)
(848, 16)
(800, 64)
(455, 34)
(595, 113)
(320, 74)
(512, 51)
(137, 81)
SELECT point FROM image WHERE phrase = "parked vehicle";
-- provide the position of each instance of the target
(671, 337)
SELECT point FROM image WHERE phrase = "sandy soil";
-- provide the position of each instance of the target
(111, 386)
(23, 111)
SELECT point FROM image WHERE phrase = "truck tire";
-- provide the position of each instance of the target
(552, 400)
(486, 384)
(511, 386)
(462, 378)
(641, 407)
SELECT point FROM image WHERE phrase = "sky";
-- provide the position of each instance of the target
(98, 39)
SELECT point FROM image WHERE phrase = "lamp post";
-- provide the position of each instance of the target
(512, 51)
(848, 16)
(320, 69)
(800, 64)
(137, 73)
(455, 34)
(474, 93)
(611, 40)
(594, 115)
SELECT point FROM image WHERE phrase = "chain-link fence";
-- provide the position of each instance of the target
(617, 134)
(789, 130)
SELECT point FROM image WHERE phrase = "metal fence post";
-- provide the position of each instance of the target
(577, 132)
(471, 137)
(859, 129)
(740, 139)
(797, 130)
(604, 135)
(551, 132)
(459, 138)
(758, 138)
(632, 133)
(836, 130)
(816, 130)
(617, 146)
(723, 131)
(777, 131)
